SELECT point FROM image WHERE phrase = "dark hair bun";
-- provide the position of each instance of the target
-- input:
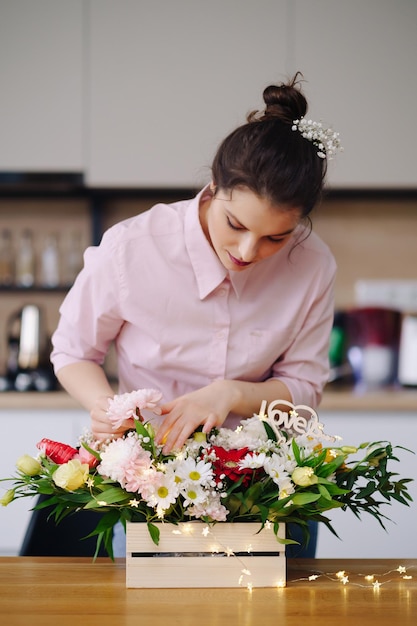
(284, 102)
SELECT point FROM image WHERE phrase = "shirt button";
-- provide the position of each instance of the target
(220, 334)
(222, 292)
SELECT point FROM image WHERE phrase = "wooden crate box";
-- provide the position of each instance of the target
(193, 554)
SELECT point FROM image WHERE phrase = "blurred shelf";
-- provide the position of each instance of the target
(54, 400)
(35, 289)
(342, 399)
(385, 399)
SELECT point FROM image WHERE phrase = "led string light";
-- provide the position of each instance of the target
(188, 529)
(341, 576)
(374, 582)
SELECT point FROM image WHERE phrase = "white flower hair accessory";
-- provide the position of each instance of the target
(326, 139)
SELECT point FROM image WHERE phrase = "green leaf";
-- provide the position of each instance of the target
(94, 453)
(154, 533)
(141, 429)
(324, 492)
(330, 468)
(299, 499)
(269, 431)
(112, 495)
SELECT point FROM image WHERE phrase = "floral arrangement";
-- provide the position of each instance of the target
(276, 467)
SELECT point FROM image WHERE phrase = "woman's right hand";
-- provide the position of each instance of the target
(101, 426)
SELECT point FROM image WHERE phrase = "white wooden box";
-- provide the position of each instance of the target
(193, 554)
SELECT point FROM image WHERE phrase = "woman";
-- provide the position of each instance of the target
(220, 301)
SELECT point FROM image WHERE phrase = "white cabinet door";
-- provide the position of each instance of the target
(170, 79)
(22, 430)
(41, 76)
(359, 61)
(365, 538)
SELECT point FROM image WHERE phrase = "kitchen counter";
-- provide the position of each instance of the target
(46, 590)
(334, 399)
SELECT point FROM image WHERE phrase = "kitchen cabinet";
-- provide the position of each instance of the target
(357, 58)
(139, 94)
(42, 91)
(170, 79)
(24, 428)
(365, 538)
(164, 92)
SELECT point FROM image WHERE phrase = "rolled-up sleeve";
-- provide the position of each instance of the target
(89, 315)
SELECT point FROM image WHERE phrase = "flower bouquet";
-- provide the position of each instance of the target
(277, 467)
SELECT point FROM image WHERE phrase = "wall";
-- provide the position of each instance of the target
(371, 238)
(365, 538)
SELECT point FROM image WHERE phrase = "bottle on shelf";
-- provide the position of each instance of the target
(50, 262)
(6, 258)
(25, 260)
(73, 260)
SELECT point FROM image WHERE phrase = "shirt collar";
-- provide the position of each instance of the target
(208, 270)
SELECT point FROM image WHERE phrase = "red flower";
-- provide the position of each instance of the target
(227, 463)
(59, 453)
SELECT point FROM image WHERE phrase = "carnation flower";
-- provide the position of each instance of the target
(128, 405)
(211, 508)
(118, 457)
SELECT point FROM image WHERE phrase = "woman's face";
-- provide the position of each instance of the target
(244, 228)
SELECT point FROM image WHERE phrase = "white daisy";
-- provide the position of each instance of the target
(163, 493)
(195, 471)
(193, 494)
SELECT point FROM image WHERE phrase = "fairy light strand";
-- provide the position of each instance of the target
(401, 573)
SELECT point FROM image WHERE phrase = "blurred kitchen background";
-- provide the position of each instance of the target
(107, 107)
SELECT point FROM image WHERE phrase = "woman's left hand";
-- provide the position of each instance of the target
(208, 406)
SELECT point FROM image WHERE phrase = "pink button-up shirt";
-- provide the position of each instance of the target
(180, 320)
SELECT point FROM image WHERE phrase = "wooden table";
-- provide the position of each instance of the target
(49, 591)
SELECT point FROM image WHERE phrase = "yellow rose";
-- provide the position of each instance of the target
(304, 476)
(7, 498)
(28, 465)
(72, 475)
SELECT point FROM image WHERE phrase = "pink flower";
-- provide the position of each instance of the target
(86, 457)
(128, 405)
(121, 455)
(137, 472)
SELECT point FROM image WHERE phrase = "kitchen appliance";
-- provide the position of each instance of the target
(28, 366)
(373, 340)
(407, 358)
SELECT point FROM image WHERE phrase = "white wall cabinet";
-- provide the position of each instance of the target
(139, 94)
(42, 90)
(22, 430)
(359, 61)
(170, 79)
(365, 538)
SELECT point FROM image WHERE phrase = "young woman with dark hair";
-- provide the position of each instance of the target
(220, 301)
